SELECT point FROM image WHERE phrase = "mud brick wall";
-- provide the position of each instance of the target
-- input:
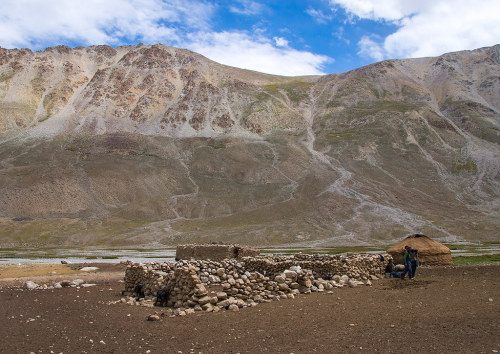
(214, 251)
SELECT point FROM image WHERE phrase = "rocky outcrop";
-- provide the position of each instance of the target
(155, 89)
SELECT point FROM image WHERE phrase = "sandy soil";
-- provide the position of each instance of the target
(446, 309)
(17, 274)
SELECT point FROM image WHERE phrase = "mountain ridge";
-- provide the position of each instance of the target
(181, 148)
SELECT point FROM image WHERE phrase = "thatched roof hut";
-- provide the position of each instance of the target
(430, 252)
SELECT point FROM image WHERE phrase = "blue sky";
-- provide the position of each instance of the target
(287, 37)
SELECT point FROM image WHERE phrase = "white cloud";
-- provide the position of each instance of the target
(339, 34)
(243, 51)
(370, 48)
(247, 7)
(389, 10)
(428, 27)
(319, 16)
(35, 23)
(184, 23)
(280, 42)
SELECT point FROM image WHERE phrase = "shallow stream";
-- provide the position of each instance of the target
(56, 255)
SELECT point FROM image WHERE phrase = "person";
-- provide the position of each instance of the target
(414, 262)
(407, 262)
(389, 270)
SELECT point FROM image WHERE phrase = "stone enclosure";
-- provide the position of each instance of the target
(230, 284)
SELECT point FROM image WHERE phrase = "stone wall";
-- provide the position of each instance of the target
(323, 266)
(214, 251)
(231, 283)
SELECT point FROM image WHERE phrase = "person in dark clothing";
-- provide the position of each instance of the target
(389, 270)
(407, 262)
(413, 261)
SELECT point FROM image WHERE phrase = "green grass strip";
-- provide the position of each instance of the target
(483, 259)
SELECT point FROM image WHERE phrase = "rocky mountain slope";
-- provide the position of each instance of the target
(149, 145)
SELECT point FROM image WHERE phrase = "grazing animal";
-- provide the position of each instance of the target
(162, 297)
(139, 292)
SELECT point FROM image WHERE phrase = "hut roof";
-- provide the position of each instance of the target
(429, 251)
(422, 243)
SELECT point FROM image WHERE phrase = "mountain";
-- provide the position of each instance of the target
(154, 145)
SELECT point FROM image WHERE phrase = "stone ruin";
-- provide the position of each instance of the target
(214, 251)
(230, 284)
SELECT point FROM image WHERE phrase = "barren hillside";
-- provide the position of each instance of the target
(150, 145)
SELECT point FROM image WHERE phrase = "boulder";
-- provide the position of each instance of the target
(233, 307)
(89, 269)
(66, 283)
(204, 300)
(221, 295)
(207, 307)
(30, 285)
(279, 279)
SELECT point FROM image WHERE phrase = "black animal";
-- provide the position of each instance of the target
(139, 292)
(162, 297)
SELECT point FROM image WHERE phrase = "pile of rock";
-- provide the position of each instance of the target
(232, 284)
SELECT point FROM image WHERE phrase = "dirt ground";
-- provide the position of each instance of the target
(445, 310)
(12, 275)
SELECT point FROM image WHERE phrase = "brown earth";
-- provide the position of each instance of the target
(12, 275)
(446, 309)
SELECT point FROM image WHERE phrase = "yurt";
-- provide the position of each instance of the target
(430, 252)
